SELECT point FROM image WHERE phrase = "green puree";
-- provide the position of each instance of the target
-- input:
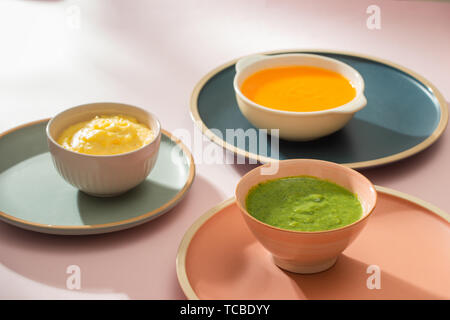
(303, 203)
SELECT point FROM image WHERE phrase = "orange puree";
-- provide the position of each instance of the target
(298, 88)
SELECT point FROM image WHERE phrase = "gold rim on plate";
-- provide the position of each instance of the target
(134, 221)
(355, 165)
(182, 276)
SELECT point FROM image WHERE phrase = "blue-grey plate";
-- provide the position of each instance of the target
(405, 114)
(34, 197)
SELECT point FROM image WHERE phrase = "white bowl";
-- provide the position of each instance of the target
(103, 175)
(300, 126)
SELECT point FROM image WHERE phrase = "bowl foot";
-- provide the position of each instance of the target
(304, 268)
(107, 195)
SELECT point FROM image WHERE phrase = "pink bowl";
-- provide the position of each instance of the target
(306, 251)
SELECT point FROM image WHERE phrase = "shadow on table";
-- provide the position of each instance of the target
(378, 174)
(129, 262)
(148, 194)
(347, 279)
(384, 174)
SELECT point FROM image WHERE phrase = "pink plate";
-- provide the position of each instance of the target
(406, 239)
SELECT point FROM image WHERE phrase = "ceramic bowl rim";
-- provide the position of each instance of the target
(336, 110)
(155, 139)
(336, 165)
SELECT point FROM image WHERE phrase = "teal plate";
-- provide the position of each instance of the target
(405, 114)
(33, 196)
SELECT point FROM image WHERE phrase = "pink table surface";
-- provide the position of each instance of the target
(57, 54)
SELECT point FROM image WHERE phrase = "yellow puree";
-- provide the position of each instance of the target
(106, 135)
(298, 88)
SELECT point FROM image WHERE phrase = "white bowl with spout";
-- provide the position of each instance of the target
(294, 125)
